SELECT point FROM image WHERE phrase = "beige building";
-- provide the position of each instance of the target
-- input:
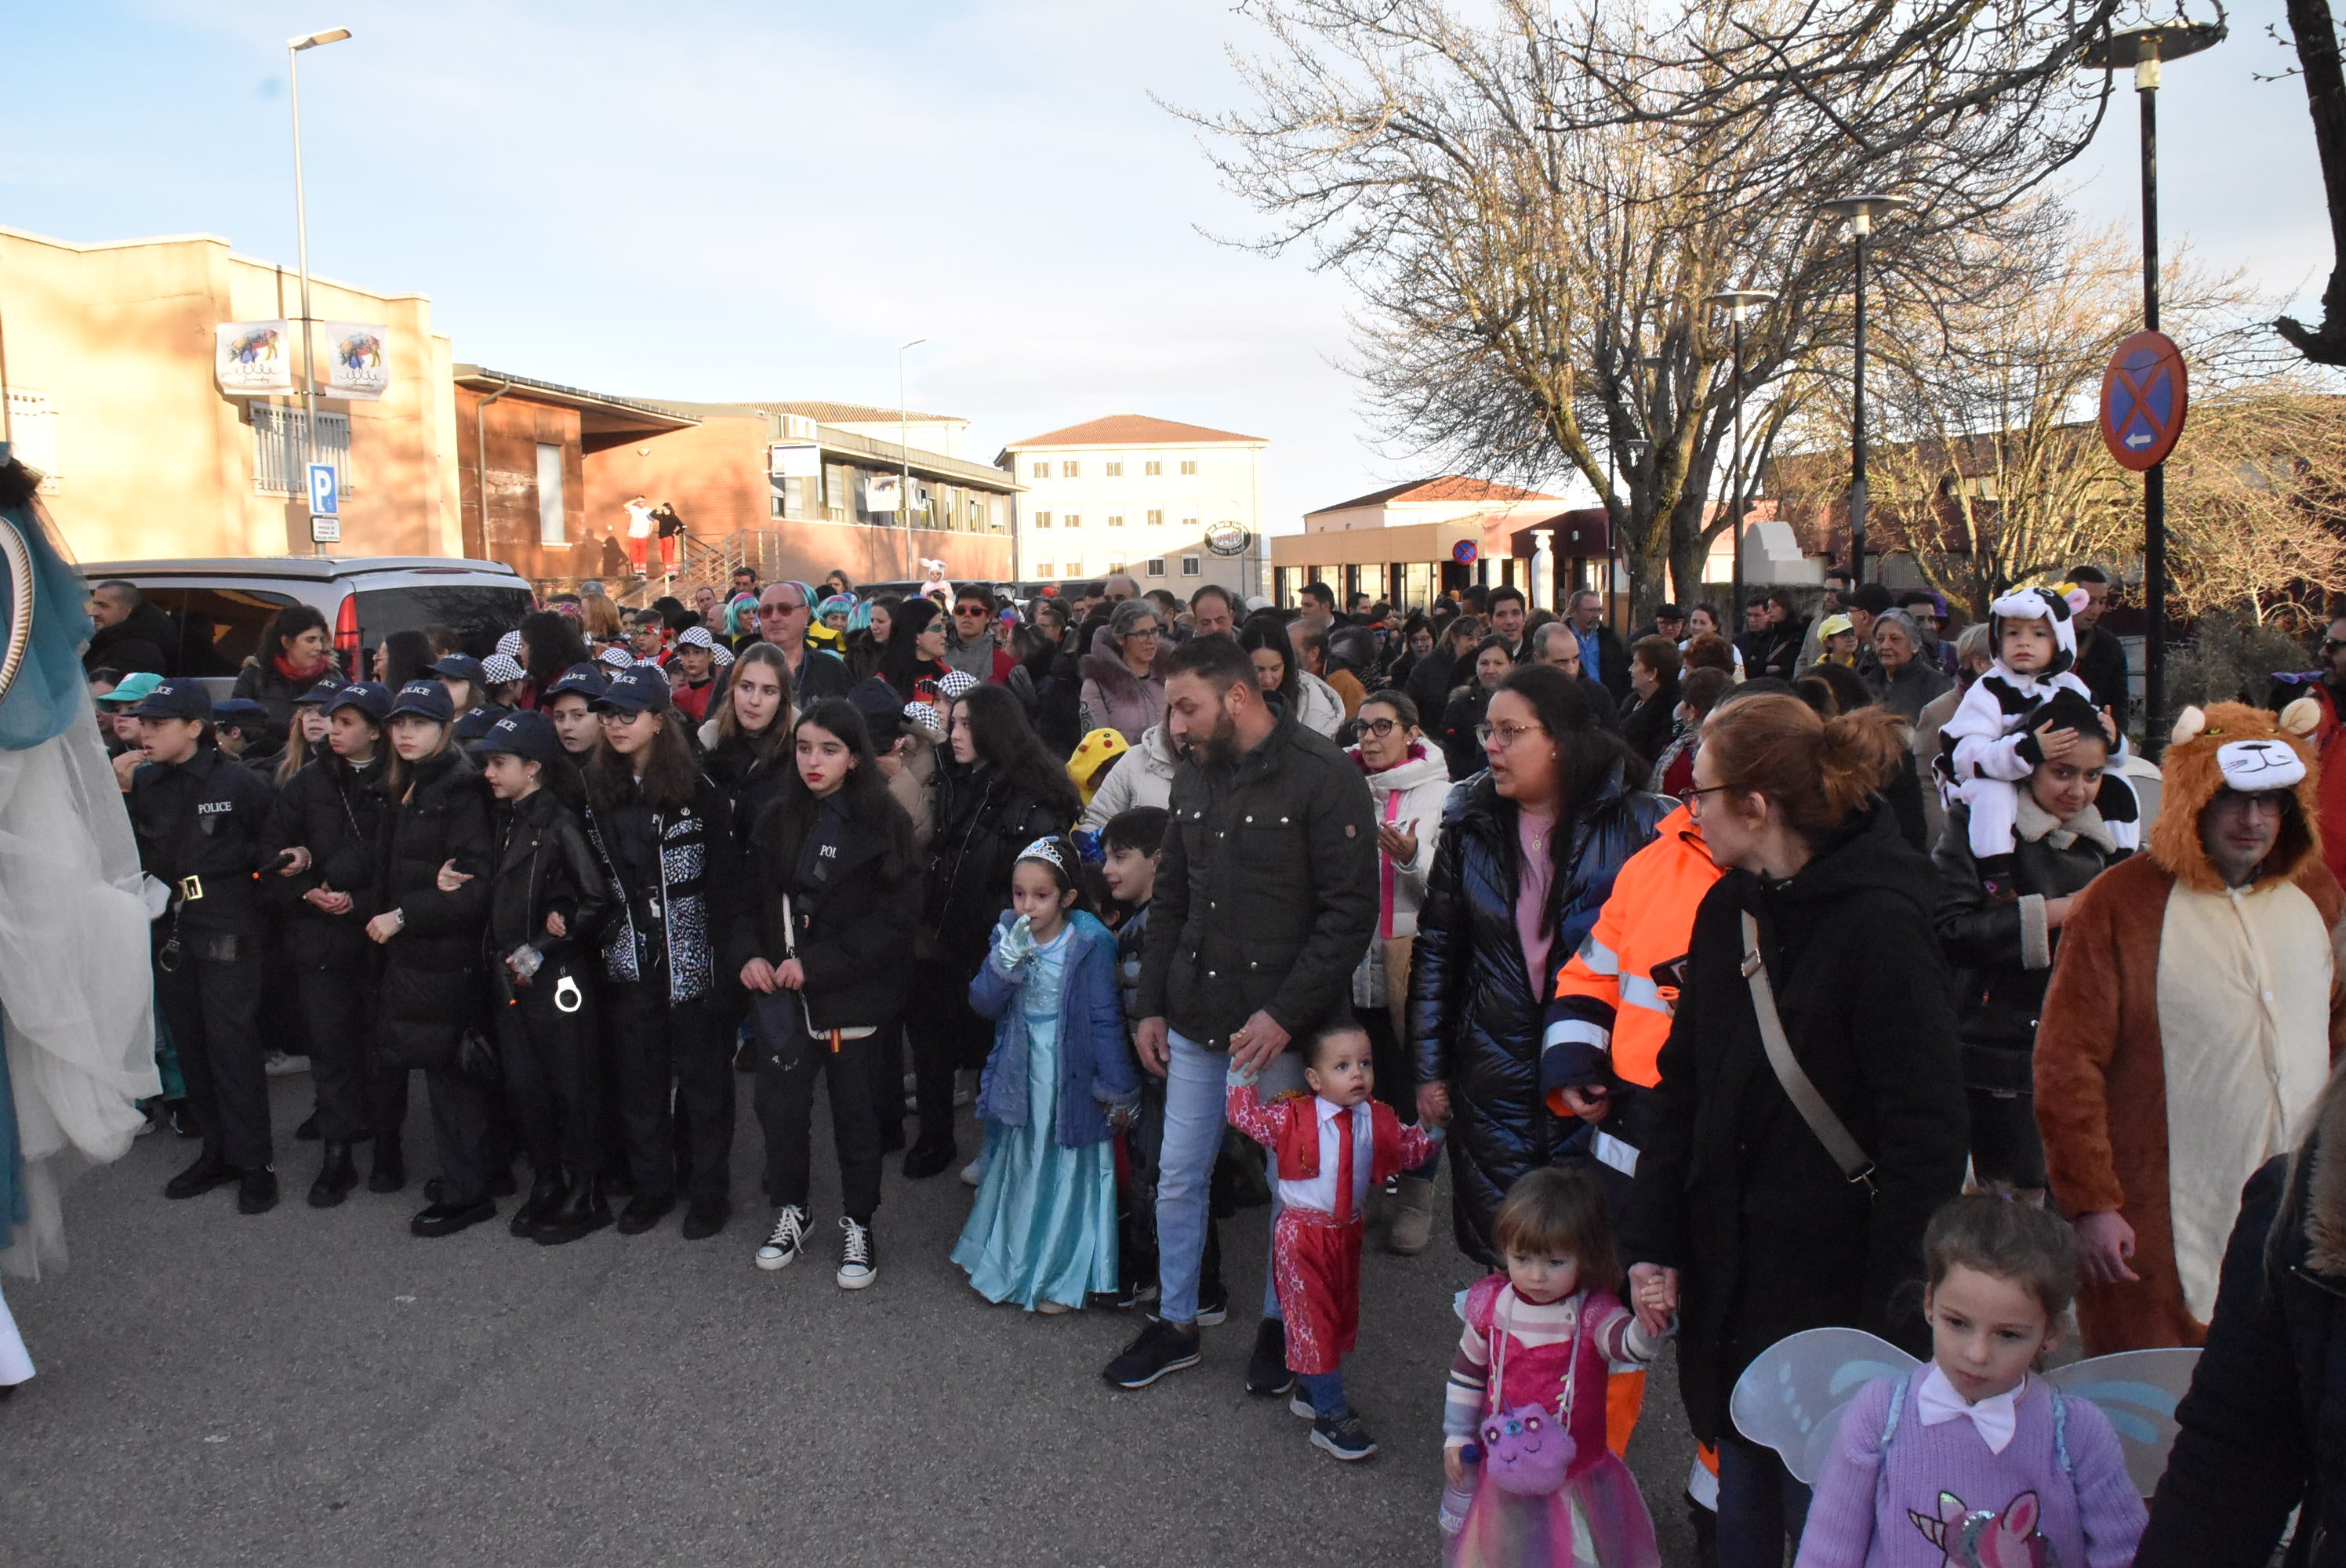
(1176, 505)
(106, 360)
(1402, 544)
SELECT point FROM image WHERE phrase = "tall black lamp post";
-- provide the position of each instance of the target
(1859, 212)
(1741, 304)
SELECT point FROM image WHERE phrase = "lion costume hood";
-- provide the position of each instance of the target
(2230, 745)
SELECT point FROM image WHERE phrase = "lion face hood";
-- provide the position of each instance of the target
(2230, 745)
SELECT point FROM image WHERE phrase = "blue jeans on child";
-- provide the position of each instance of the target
(1196, 1112)
(1326, 1392)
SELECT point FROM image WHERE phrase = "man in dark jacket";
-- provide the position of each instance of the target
(199, 820)
(1602, 658)
(1264, 905)
(2101, 657)
(132, 634)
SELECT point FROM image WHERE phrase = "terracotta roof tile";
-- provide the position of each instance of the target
(824, 412)
(1131, 430)
(1442, 487)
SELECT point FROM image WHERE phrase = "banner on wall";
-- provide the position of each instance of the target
(358, 360)
(253, 359)
(881, 493)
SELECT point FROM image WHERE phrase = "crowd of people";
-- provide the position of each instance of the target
(1721, 965)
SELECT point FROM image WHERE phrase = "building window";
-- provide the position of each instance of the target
(1155, 565)
(549, 494)
(1042, 519)
(1042, 569)
(1188, 465)
(1042, 470)
(1192, 565)
(1069, 469)
(279, 456)
(1072, 521)
(1115, 471)
(1114, 566)
(1152, 469)
(1156, 519)
(1116, 519)
(1075, 568)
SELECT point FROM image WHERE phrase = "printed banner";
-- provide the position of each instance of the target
(881, 492)
(794, 460)
(358, 360)
(253, 359)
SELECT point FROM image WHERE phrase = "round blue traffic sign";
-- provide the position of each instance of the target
(2145, 396)
(1464, 552)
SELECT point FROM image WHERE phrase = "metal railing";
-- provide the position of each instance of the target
(281, 458)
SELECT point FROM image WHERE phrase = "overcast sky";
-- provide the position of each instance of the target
(739, 201)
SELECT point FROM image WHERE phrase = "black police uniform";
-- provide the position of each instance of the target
(546, 1023)
(200, 826)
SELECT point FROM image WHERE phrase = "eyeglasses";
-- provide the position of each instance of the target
(1146, 632)
(1694, 799)
(1505, 735)
(1380, 727)
(2264, 802)
(2331, 645)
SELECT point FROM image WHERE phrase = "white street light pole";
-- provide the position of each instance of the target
(904, 438)
(1740, 303)
(293, 47)
(1859, 212)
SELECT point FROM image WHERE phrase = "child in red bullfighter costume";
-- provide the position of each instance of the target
(1330, 1146)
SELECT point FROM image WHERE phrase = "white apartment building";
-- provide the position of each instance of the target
(1176, 505)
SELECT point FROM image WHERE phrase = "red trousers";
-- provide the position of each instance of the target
(1316, 1270)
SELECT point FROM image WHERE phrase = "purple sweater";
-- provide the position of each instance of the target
(1862, 1514)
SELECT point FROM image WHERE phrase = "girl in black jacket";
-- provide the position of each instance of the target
(745, 745)
(323, 834)
(1741, 1221)
(429, 886)
(547, 902)
(1006, 793)
(665, 834)
(822, 950)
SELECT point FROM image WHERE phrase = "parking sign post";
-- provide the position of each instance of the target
(325, 505)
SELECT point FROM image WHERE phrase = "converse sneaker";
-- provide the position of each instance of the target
(859, 1263)
(1342, 1436)
(788, 1241)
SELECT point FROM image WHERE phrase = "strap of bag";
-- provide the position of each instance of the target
(1854, 1163)
(790, 950)
(1495, 1393)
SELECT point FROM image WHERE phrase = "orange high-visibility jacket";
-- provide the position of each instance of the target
(1611, 1013)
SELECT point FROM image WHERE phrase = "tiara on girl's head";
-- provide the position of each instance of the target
(1044, 850)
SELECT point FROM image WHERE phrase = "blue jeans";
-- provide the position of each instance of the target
(1196, 1101)
(1761, 1506)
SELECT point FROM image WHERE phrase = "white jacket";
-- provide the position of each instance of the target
(1409, 797)
(1317, 705)
(1141, 777)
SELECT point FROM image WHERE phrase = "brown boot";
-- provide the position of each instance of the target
(1412, 1217)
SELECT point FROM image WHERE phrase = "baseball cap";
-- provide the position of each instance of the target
(460, 667)
(425, 699)
(239, 712)
(617, 658)
(476, 722)
(695, 638)
(639, 689)
(582, 678)
(1833, 625)
(184, 697)
(133, 689)
(524, 734)
(498, 670)
(370, 698)
(320, 693)
(509, 645)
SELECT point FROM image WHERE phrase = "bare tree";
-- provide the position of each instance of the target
(1531, 242)
(2256, 502)
(2313, 34)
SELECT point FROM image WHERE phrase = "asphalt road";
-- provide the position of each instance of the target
(312, 1387)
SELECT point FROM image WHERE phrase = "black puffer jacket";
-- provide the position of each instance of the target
(731, 763)
(259, 682)
(431, 990)
(2002, 952)
(1474, 1017)
(145, 640)
(544, 867)
(988, 822)
(855, 917)
(1733, 1189)
(335, 812)
(2263, 1430)
(1267, 896)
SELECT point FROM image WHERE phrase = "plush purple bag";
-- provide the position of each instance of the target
(1526, 1450)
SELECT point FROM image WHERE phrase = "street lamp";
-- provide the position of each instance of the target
(1740, 303)
(1859, 212)
(293, 47)
(904, 438)
(2145, 50)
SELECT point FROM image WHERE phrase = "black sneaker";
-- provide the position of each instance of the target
(1267, 1372)
(787, 1241)
(705, 1217)
(1161, 1348)
(1342, 1436)
(859, 1259)
(1214, 1307)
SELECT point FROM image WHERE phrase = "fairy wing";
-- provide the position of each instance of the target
(1790, 1399)
(2137, 1390)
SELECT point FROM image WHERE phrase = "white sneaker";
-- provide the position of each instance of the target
(788, 1241)
(1052, 1308)
(278, 1064)
(974, 1173)
(859, 1263)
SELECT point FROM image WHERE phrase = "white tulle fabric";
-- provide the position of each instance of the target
(75, 985)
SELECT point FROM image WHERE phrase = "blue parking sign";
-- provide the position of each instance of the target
(325, 500)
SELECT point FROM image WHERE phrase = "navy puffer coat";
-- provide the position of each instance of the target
(1474, 1017)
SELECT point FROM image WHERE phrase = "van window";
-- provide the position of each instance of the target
(477, 614)
(220, 629)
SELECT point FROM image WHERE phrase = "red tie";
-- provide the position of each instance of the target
(1343, 1120)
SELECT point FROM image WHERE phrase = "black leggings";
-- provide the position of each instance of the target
(675, 1053)
(788, 1060)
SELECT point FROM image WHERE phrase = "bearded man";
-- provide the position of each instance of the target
(1266, 900)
